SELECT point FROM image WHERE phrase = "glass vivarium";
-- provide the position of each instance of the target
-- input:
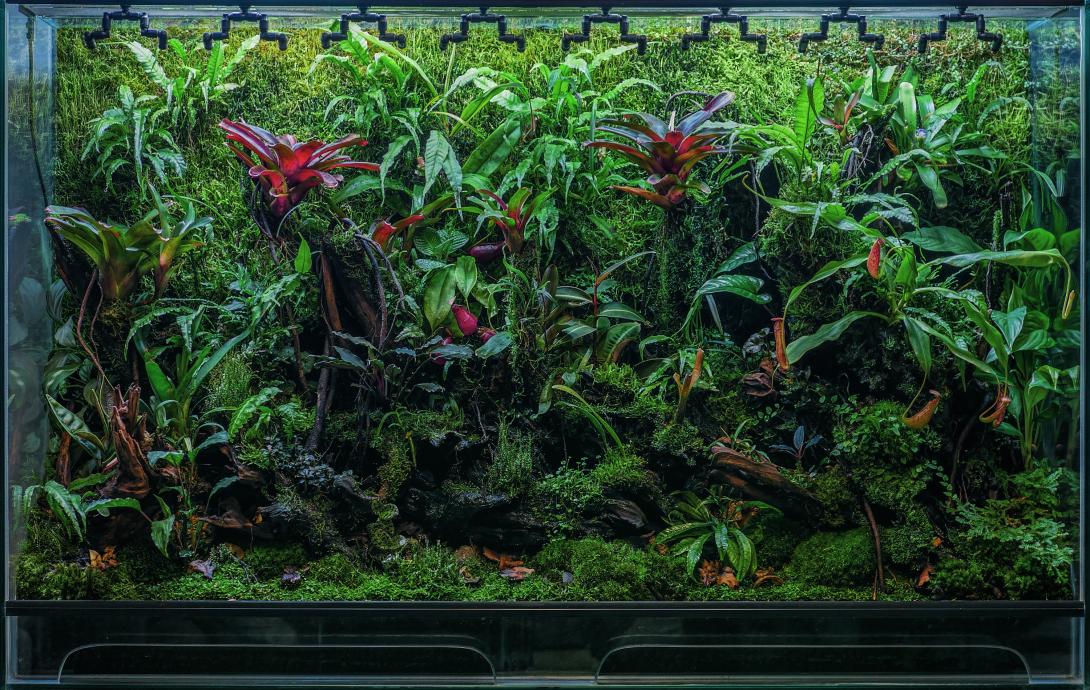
(310, 313)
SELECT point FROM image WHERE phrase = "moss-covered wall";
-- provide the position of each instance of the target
(492, 452)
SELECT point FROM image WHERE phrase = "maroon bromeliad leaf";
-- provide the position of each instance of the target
(287, 168)
(383, 231)
(666, 153)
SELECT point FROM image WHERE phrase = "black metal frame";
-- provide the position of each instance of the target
(125, 15)
(962, 16)
(245, 15)
(243, 609)
(695, 5)
(725, 16)
(482, 17)
(589, 20)
(362, 16)
(842, 17)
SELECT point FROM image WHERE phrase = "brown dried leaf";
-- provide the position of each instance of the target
(727, 578)
(766, 576)
(708, 572)
(503, 561)
(468, 577)
(466, 553)
(205, 567)
(925, 575)
(104, 560)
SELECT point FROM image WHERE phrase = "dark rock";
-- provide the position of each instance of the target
(625, 517)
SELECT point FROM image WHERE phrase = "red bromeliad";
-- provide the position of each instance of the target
(667, 153)
(383, 230)
(511, 217)
(286, 168)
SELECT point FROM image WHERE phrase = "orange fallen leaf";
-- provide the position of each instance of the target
(728, 578)
(925, 575)
(708, 573)
(503, 560)
(104, 560)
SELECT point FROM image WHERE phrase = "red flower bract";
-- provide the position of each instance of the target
(286, 168)
(467, 322)
(667, 153)
(874, 258)
(484, 253)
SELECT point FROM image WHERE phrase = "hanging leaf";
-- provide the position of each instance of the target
(439, 291)
(827, 333)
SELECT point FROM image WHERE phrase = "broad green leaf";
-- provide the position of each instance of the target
(825, 271)
(439, 291)
(826, 333)
(303, 258)
(495, 345)
(465, 275)
(103, 505)
(920, 342)
(494, 150)
(75, 427)
(1010, 324)
(942, 239)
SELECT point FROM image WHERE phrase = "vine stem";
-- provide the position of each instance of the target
(79, 327)
(877, 548)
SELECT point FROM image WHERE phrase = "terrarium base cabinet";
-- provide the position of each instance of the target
(545, 344)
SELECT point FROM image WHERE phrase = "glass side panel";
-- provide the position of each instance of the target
(543, 308)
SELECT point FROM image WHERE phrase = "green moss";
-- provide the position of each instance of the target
(799, 591)
(269, 561)
(230, 383)
(609, 571)
(624, 394)
(563, 499)
(681, 439)
(622, 471)
(775, 538)
(511, 471)
(839, 559)
(907, 544)
(875, 435)
(838, 501)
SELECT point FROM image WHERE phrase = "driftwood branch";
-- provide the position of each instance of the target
(762, 481)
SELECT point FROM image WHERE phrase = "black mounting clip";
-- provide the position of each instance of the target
(245, 15)
(125, 15)
(482, 17)
(725, 16)
(962, 16)
(842, 17)
(605, 18)
(362, 17)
